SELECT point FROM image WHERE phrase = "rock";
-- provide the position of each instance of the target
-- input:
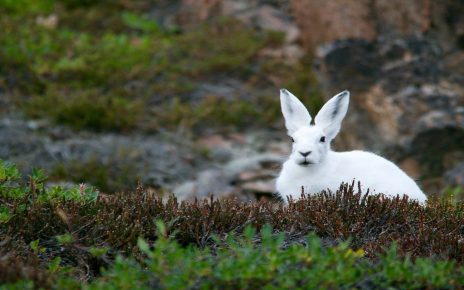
(224, 88)
(152, 160)
(260, 187)
(411, 167)
(268, 15)
(327, 21)
(291, 53)
(157, 162)
(209, 182)
(164, 13)
(247, 177)
(271, 18)
(455, 176)
(261, 15)
(192, 12)
(253, 175)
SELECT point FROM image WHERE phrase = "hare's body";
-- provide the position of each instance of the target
(373, 172)
(313, 167)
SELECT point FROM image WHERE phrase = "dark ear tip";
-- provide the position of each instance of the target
(282, 90)
(344, 94)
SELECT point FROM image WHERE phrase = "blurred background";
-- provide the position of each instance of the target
(183, 96)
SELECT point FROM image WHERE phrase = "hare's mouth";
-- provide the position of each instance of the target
(305, 163)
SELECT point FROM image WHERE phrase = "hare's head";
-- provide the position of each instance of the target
(311, 141)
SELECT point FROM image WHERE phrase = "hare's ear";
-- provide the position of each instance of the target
(332, 113)
(295, 113)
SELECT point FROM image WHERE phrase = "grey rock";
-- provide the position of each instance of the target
(153, 160)
(455, 176)
(236, 165)
(228, 180)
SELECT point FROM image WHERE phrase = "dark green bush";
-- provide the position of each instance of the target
(241, 263)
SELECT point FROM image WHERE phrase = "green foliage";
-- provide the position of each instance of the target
(138, 22)
(300, 80)
(98, 252)
(78, 193)
(25, 7)
(4, 214)
(212, 111)
(88, 110)
(38, 176)
(226, 47)
(8, 172)
(137, 240)
(9, 175)
(240, 263)
(415, 274)
(98, 174)
(12, 188)
(113, 67)
(36, 248)
(54, 265)
(64, 239)
(454, 193)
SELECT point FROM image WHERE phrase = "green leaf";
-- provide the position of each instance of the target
(38, 175)
(138, 22)
(98, 252)
(64, 239)
(143, 246)
(54, 264)
(8, 172)
(4, 214)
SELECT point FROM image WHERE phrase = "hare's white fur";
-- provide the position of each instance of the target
(313, 166)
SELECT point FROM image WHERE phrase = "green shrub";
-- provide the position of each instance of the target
(240, 263)
(88, 110)
(26, 7)
(12, 188)
(62, 236)
(217, 112)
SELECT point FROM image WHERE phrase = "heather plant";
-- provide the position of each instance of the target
(57, 235)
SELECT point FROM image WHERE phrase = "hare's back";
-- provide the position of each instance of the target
(377, 173)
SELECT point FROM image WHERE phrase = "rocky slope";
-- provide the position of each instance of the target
(402, 61)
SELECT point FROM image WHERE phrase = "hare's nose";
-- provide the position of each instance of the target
(304, 154)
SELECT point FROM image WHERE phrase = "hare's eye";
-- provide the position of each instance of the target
(322, 139)
(293, 140)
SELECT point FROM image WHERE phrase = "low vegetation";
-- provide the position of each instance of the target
(114, 68)
(107, 176)
(58, 238)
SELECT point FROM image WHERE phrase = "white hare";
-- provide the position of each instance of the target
(313, 167)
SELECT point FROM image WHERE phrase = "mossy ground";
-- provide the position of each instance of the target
(108, 66)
